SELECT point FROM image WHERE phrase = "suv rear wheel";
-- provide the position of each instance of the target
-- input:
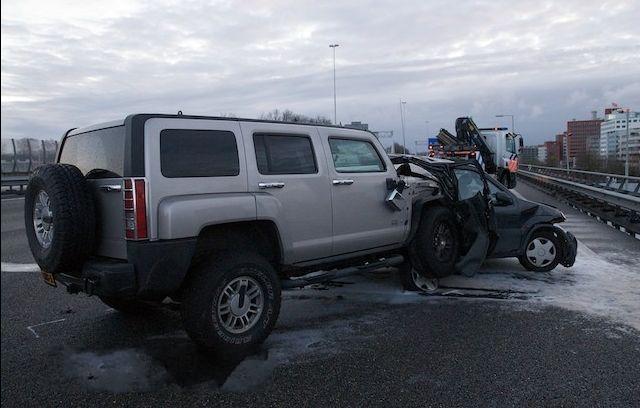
(231, 304)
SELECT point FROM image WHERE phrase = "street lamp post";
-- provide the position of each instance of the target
(404, 142)
(335, 106)
(513, 126)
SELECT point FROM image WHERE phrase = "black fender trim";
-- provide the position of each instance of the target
(160, 266)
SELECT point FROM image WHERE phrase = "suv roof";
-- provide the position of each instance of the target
(134, 135)
(121, 122)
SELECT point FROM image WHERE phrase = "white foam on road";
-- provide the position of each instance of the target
(19, 267)
(593, 286)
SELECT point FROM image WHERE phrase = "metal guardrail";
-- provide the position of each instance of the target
(608, 181)
(611, 197)
(21, 156)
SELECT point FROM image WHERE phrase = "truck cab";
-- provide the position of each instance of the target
(506, 146)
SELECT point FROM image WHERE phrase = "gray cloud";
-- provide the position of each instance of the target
(75, 64)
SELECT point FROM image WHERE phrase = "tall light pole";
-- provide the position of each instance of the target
(513, 126)
(404, 142)
(335, 106)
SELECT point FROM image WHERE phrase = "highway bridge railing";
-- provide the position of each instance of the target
(614, 198)
(20, 157)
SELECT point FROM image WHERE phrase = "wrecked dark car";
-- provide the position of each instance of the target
(473, 217)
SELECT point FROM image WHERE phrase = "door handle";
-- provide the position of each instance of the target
(271, 185)
(111, 187)
(342, 182)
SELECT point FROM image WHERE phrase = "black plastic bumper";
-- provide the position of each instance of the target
(570, 247)
(154, 270)
(102, 278)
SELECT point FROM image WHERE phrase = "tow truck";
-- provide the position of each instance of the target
(495, 149)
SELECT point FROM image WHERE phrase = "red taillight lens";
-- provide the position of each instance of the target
(135, 209)
(141, 209)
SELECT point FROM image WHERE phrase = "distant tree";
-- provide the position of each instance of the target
(290, 116)
(552, 159)
(613, 165)
(589, 161)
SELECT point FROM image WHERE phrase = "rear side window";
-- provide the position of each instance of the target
(355, 156)
(198, 153)
(98, 154)
(284, 154)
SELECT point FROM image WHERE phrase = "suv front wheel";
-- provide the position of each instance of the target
(231, 304)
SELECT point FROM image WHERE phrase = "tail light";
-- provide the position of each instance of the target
(135, 209)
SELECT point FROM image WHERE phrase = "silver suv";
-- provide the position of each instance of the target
(220, 214)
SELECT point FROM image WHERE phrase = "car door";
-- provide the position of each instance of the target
(287, 171)
(358, 170)
(508, 220)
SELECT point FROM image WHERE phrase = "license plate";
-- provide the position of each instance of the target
(49, 279)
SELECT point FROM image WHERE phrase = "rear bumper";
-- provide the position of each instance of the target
(154, 270)
(103, 278)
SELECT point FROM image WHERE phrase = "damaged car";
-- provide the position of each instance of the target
(474, 218)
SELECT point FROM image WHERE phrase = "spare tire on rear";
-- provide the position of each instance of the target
(59, 218)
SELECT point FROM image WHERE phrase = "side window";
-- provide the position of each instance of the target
(284, 154)
(469, 183)
(198, 153)
(355, 156)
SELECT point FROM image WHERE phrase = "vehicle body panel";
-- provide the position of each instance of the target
(164, 188)
(301, 208)
(184, 217)
(361, 219)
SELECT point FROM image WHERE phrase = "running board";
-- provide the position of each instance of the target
(325, 276)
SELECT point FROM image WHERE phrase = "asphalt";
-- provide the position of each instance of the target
(331, 346)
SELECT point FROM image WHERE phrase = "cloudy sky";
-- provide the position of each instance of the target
(72, 63)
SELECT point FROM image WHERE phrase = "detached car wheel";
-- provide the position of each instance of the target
(59, 218)
(542, 252)
(231, 305)
(415, 282)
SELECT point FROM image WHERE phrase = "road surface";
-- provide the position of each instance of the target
(504, 337)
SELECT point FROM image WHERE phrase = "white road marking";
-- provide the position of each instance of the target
(31, 328)
(19, 267)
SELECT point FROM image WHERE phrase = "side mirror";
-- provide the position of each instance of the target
(503, 198)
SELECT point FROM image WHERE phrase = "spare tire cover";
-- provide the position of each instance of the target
(59, 218)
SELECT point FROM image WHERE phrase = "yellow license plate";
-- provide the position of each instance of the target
(49, 279)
